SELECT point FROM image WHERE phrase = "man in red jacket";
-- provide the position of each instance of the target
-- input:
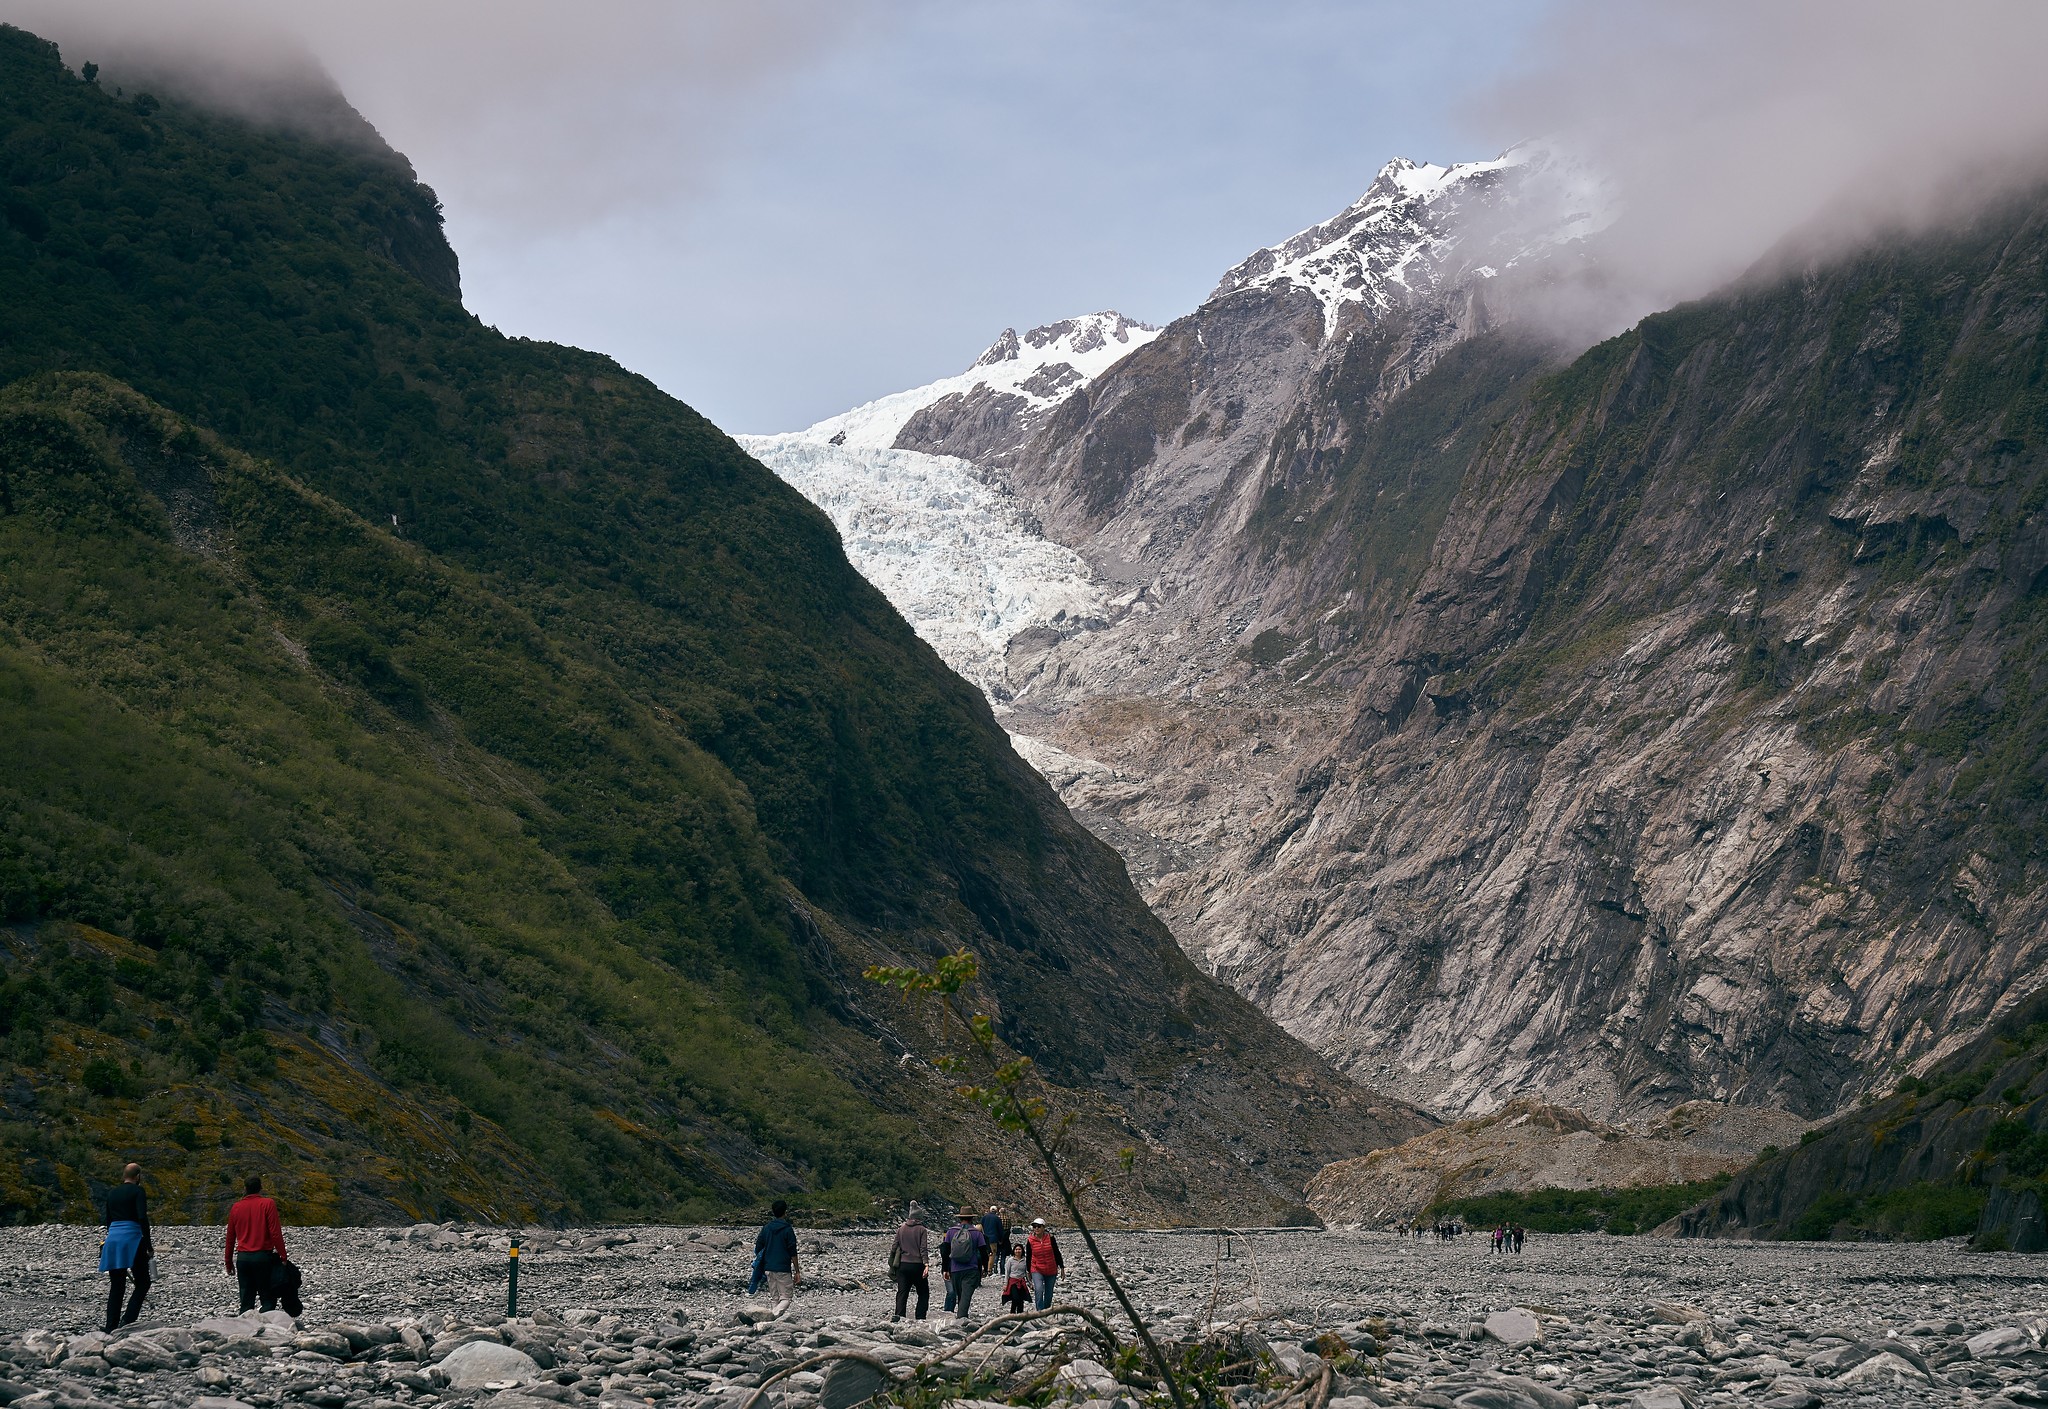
(255, 1244)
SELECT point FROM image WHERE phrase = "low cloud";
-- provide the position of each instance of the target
(535, 111)
(1728, 128)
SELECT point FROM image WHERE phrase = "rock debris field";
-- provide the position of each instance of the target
(631, 1317)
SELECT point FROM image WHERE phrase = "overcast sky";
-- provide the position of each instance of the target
(872, 217)
(778, 209)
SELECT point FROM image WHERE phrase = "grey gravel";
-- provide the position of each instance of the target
(639, 1316)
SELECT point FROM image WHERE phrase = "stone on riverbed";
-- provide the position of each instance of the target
(1883, 1368)
(480, 1362)
(1514, 1326)
(1661, 1397)
(1999, 1343)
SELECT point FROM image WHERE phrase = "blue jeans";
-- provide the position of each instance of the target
(1041, 1288)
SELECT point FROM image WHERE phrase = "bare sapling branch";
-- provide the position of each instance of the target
(1006, 1096)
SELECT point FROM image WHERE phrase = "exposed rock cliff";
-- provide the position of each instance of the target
(1704, 758)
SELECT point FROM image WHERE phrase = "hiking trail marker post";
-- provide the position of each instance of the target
(512, 1281)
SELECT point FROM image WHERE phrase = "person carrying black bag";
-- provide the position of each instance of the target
(255, 1246)
(127, 1249)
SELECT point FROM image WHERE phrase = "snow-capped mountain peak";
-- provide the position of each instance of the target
(1041, 368)
(1420, 226)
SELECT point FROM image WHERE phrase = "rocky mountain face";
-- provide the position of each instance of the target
(1659, 723)
(448, 770)
(1702, 758)
(1529, 1144)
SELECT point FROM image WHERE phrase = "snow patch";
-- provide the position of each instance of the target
(953, 553)
(1021, 365)
(1420, 227)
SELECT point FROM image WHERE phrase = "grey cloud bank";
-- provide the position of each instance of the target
(1743, 130)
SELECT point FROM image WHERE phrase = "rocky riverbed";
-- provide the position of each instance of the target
(629, 1317)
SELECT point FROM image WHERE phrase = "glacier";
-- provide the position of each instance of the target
(953, 553)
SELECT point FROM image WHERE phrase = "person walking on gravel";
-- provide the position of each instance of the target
(126, 1251)
(907, 1258)
(775, 1245)
(255, 1245)
(1042, 1258)
(997, 1235)
(1017, 1290)
(966, 1250)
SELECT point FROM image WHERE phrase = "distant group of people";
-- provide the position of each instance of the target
(969, 1251)
(254, 1253)
(1506, 1237)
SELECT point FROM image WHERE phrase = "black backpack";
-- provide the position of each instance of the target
(284, 1285)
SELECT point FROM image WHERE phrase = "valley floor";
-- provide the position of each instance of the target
(629, 1316)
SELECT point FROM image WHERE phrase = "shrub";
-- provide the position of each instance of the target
(1918, 1212)
(2005, 1136)
(1618, 1211)
(103, 1078)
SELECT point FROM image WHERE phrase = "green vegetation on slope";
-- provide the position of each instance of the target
(203, 749)
(1964, 1150)
(1619, 1211)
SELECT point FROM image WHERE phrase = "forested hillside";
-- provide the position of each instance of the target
(444, 769)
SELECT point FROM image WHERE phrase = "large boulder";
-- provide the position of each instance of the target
(1883, 1369)
(1514, 1326)
(1999, 1343)
(139, 1353)
(481, 1363)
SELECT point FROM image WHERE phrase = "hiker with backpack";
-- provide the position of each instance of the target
(965, 1251)
(126, 1250)
(775, 1246)
(1044, 1261)
(907, 1257)
(255, 1246)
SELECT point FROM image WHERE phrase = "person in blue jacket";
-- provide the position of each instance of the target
(997, 1235)
(775, 1250)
